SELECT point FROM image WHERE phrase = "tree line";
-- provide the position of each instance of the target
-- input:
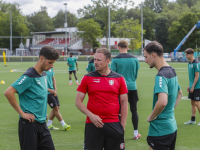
(165, 21)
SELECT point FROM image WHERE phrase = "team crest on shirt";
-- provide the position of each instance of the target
(197, 98)
(111, 82)
(122, 146)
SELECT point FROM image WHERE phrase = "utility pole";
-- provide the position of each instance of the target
(109, 25)
(65, 25)
(11, 32)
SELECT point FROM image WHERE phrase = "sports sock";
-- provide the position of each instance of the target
(135, 133)
(62, 123)
(193, 118)
(76, 81)
(70, 81)
(49, 122)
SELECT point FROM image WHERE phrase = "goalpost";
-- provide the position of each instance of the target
(3, 50)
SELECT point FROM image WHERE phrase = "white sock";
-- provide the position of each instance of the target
(70, 81)
(135, 132)
(62, 123)
(76, 81)
(49, 122)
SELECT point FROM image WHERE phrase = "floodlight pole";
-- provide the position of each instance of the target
(109, 25)
(11, 32)
(142, 28)
(65, 25)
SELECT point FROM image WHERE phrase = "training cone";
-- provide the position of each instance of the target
(2, 82)
(11, 70)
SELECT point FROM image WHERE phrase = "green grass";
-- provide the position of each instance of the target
(187, 138)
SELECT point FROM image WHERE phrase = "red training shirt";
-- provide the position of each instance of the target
(103, 93)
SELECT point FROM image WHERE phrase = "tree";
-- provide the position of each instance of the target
(40, 20)
(161, 31)
(19, 26)
(99, 11)
(91, 31)
(190, 3)
(180, 29)
(155, 5)
(148, 23)
(59, 19)
(130, 29)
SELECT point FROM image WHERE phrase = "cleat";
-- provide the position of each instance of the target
(137, 137)
(51, 127)
(70, 84)
(190, 122)
(198, 124)
(77, 84)
(66, 127)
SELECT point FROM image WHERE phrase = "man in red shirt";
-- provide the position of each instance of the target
(104, 86)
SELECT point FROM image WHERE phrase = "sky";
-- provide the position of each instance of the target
(53, 6)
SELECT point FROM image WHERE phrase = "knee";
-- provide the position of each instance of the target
(193, 103)
(56, 109)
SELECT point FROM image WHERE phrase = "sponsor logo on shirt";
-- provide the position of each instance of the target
(45, 80)
(122, 146)
(191, 66)
(38, 82)
(96, 80)
(111, 82)
(20, 82)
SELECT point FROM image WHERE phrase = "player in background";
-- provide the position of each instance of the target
(91, 66)
(32, 90)
(54, 102)
(71, 61)
(103, 128)
(128, 65)
(167, 94)
(194, 84)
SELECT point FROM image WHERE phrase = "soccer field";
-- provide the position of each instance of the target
(187, 138)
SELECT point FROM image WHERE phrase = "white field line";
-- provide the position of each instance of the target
(185, 98)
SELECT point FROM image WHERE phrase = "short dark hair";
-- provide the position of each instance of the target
(155, 47)
(49, 52)
(189, 51)
(105, 51)
(123, 44)
(94, 49)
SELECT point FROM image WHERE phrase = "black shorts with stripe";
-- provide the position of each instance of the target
(110, 137)
(70, 72)
(195, 96)
(53, 101)
(166, 142)
(34, 136)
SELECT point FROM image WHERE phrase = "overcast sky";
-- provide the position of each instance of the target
(53, 6)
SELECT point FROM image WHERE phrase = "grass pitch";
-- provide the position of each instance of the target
(187, 138)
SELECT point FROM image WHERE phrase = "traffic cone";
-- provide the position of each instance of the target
(2, 82)
(11, 70)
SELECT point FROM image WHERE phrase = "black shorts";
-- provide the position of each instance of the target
(34, 136)
(53, 101)
(195, 96)
(74, 71)
(132, 96)
(166, 142)
(110, 137)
